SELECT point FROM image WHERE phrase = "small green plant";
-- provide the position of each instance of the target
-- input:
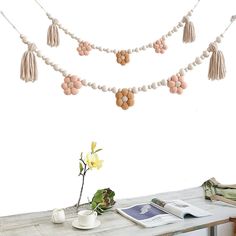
(102, 200)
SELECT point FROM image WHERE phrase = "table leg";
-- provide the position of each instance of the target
(213, 231)
(233, 219)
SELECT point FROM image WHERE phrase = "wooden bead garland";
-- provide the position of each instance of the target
(189, 36)
(125, 96)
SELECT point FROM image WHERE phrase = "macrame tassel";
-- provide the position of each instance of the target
(53, 38)
(189, 35)
(29, 71)
(217, 68)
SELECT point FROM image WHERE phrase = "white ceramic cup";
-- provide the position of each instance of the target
(87, 218)
(58, 216)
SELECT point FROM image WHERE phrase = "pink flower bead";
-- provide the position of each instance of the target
(84, 48)
(160, 46)
(71, 85)
(176, 84)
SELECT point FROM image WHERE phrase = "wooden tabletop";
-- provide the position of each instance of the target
(113, 224)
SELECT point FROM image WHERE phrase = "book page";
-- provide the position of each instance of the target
(181, 209)
(148, 215)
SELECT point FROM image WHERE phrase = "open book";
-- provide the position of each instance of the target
(160, 212)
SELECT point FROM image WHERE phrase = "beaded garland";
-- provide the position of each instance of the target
(123, 56)
(125, 96)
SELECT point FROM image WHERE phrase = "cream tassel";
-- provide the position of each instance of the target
(189, 35)
(217, 68)
(29, 71)
(53, 38)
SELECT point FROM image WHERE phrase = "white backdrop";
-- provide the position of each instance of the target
(165, 142)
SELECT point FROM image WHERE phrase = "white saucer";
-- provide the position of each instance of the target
(76, 224)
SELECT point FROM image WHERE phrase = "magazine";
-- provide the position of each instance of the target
(160, 212)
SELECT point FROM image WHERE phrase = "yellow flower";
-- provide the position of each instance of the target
(93, 146)
(93, 161)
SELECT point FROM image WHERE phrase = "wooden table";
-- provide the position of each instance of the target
(113, 224)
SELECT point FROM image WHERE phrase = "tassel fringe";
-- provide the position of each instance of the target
(217, 68)
(29, 71)
(53, 38)
(189, 34)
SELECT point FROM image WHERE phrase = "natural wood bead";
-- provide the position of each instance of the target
(205, 54)
(175, 29)
(198, 60)
(47, 61)
(144, 88)
(190, 66)
(163, 82)
(181, 72)
(104, 88)
(114, 90)
(134, 90)
(218, 39)
(56, 67)
(39, 54)
(94, 86)
(154, 85)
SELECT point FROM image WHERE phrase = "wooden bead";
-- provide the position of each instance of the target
(47, 61)
(205, 54)
(39, 54)
(94, 86)
(163, 82)
(134, 90)
(198, 60)
(104, 88)
(154, 85)
(218, 39)
(56, 67)
(84, 82)
(181, 72)
(114, 90)
(190, 66)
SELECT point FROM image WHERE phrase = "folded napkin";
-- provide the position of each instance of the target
(219, 192)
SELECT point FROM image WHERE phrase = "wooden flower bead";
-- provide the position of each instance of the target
(71, 85)
(124, 99)
(176, 84)
(160, 46)
(84, 48)
(122, 57)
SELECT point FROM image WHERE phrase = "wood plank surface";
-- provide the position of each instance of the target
(39, 224)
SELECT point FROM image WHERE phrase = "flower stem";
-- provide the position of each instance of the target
(81, 190)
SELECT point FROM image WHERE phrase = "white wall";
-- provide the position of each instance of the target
(165, 142)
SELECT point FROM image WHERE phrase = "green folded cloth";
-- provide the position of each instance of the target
(216, 191)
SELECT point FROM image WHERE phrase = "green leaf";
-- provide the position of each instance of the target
(98, 150)
(81, 155)
(81, 168)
